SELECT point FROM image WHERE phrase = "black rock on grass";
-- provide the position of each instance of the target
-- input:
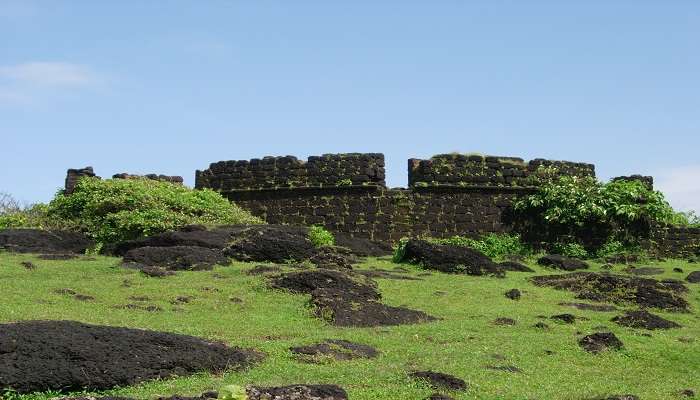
(439, 380)
(346, 300)
(72, 356)
(271, 243)
(43, 241)
(600, 341)
(591, 307)
(336, 349)
(177, 258)
(644, 320)
(515, 266)
(564, 318)
(693, 277)
(564, 263)
(450, 258)
(620, 289)
(513, 294)
(297, 392)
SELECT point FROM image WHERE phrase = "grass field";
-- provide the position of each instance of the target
(653, 365)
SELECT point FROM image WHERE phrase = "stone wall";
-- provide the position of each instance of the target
(674, 241)
(478, 170)
(73, 175)
(328, 170)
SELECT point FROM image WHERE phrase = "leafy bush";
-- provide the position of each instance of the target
(319, 236)
(114, 210)
(585, 211)
(400, 250)
(686, 218)
(34, 216)
(574, 250)
(493, 245)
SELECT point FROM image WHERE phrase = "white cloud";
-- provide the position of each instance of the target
(681, 185)
(48, 74)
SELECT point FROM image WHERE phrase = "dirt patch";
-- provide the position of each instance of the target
(564, 318)
(541, 325)
(557, 261)
(334, 349)
(644, 271)
(41, 241)
(72, 356)
(177, 258)
(72, 293)
(451, 259)
(139, 307)
(59, 257)
(644, 320)
(515, 266)
(502, 321)
(439, 396)
(346, 300)
(439, 380)
(619, 289)
(297, 392)
(693, 277)
(263, 269)
(28, 265)
(618, 397)
(590, 307)
(271, 243)
(362, 247)
(148, 270)
(513, 294)
(600, 341)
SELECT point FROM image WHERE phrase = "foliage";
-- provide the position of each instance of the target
(400, 250)
(581, 208)
(345, 182)
(574, 250)
(319, 236)
(34, 216)
(494, 245)
(686, 218)
(232, 392)
(114, 210)
(8, 204)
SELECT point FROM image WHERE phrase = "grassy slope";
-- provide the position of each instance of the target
(462, 343)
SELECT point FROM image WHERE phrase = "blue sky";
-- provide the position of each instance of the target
(170, 86)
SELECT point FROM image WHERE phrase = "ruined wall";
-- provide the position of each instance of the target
(328, 170)
(478, 170)
(675, 241)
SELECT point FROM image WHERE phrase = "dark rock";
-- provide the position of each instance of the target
(515, 266)
(297, 392)
(439, 380)
(362, 247)
(600, 341)
(263, 269)
(687, 393)
(642, 271)
(271, 243)
(336, 349)
(565, 318)
(680, 270)
(541, 325)
(177, 258)
(557, 261)
(693, 277)
(645, 320)
(451, 259)
(28, 265)
(191, 235)
(72, 356)
(332, 257)
(502, 321)
(41, 241)
(590, 307)
(513, 294)
(619, 289)
(439, 396)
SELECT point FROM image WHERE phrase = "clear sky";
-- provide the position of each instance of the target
(170, 86)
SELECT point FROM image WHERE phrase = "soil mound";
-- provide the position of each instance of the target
(515, 266)
(362, 247)
(177, 258)
(600, 341)
(40, 241)
(451, 259)
(336, 349)
(590, 307)
(605, 287)
(438, 380)
(693, 277)
(557, 261)
(346, 300)
(644, 320)
(271, 243)
(72, 356)
(297, 392)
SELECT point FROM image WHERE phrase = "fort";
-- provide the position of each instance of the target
(447, 195)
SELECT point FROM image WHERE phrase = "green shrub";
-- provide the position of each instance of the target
(35, 216)
(400, 250)
(494, 245)
(114, 210)
(319, 236)
(686, 218)
(574, 250)
(585, 210)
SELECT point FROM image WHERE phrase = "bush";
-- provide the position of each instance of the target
(686, 218)
(400, 250)
(319, 236)
(114, 210)
(585, 211)
(494, 245)
(574, 250)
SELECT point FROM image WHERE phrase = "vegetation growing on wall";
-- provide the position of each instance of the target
(319, 236)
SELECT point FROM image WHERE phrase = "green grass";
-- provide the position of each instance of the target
(462, 343)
